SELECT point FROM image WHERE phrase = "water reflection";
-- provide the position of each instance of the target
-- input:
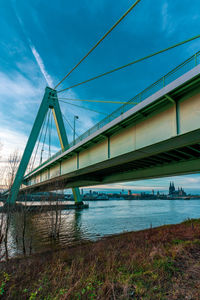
(30, 233)
(46, 230)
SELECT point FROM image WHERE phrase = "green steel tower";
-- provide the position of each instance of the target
(49, 101)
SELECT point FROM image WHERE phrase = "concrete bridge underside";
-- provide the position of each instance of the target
(158, 137)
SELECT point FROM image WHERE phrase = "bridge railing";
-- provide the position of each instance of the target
(159, 84)
(183, 68)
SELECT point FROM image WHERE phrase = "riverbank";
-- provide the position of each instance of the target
(157, 263)
(45, 207)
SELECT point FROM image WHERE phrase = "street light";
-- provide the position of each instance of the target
(75, 118)
(41, 154)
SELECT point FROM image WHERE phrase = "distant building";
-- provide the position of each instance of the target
(171, 188)
(136, 195)
(94, 193)
(176, 193)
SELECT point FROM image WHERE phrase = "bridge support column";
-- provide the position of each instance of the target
(63, 140)
(50, 100)
(12, 197)
(77, 195)
(177, 112)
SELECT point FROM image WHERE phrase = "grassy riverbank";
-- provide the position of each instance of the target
(159, 263)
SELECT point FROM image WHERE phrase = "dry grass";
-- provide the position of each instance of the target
(159, 263)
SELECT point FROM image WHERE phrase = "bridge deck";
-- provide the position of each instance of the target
(165, 110)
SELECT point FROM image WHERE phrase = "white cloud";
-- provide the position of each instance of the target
(11, 140)
(164, 13)
(35, 53)
(193, 180)
(188, 182)
(86, 119)
(16, 85)
(41, 66)
(132, 186)
(19, 99)
(167, 22)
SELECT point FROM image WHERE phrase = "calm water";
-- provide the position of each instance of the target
(101, 219)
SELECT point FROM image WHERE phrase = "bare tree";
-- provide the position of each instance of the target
(9, 176)
(13, 163)
(55, 212)
(12, 166)
(2, 169)
(2, 219)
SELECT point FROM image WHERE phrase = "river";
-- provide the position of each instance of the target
(102, 218)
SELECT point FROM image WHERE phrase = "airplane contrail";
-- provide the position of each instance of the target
(35, 53)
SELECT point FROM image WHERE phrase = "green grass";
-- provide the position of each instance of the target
(149, 264)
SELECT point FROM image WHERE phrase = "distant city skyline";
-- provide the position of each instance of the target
(136, 188)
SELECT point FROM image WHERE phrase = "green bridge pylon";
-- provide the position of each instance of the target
(49, 101)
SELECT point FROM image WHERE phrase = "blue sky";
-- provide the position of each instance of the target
(40, 41)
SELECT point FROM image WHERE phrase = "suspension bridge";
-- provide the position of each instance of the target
(154, 134)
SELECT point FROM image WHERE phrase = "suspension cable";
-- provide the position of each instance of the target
(99, 112)
(47, 124)
(50, 131)
(69, 124)
(103, 37)
(99, 101)
(41, 131)
(131, 63)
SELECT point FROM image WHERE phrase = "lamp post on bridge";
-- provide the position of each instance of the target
(75, 118)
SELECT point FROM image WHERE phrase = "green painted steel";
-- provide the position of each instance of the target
(181, 69)
(160, 138)
(49, 101)
(63, 139)
(60, 124)
(29, 147)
